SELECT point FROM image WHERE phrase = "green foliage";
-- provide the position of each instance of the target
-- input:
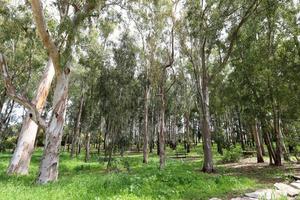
(9, 143)
(79, 180)
(232, 155)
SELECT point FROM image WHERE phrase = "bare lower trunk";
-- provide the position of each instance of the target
(279, 139)
(187, 133)
(161, 138)
(99, 144)
(286, 155)
(87, 147)
(240, 128)
(146, 137)
(268, 142)
(66, 142)
(20, 161)
(49, 165)
(256, 137)
(262, 143)
(77, 128)
(208, 158)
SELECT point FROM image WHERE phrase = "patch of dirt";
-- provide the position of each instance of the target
(262, 172)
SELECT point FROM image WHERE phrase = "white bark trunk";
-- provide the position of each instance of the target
(20, 161)
(49, 165)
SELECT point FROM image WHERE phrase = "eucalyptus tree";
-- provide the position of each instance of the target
(93, 64)
(212, 28)
(141, 15)
(25, 54)
(164, 61)
(60, 53)
(118, 91)
(260, 86)
(256, 100)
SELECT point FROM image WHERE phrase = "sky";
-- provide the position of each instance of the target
(18, 111)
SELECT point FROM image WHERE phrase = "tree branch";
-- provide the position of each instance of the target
(47, 41)
(233, 36)
(11, 92)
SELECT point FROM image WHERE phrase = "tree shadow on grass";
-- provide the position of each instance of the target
(262, 173)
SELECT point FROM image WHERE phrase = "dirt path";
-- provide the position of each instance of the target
(275, 182)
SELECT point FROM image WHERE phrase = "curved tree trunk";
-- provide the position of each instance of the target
(20, 161)
(49, 165)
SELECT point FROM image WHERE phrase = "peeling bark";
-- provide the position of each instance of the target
(20, 161)
(49, 165)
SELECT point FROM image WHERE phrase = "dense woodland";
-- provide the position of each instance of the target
(158, 78)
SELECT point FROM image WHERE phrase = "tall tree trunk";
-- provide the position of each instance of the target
(153, 130)
(99, 144)
(66, 142)
(261, 141)
(174, 131)
(87, 147)
(208, 157)
(146, 134)
(256, 137)
(286, 155)
(278, 137)
(77, 127)
(20, 160)
(268, 142)
(187, 133)
(78, 149)
(49, 164)
(161, 138)
(240, 128)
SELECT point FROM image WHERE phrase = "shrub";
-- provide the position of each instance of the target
(232, 155)
(8, 144)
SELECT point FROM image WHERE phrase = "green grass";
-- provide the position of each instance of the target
(134, 180)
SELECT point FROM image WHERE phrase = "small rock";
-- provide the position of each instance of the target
(243, 198)
(296, 184)
(286, 188)
(266, 194)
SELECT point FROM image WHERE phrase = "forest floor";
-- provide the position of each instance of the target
(131, 179)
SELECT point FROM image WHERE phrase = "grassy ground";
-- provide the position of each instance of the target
(131, 179)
